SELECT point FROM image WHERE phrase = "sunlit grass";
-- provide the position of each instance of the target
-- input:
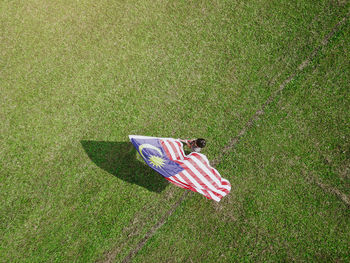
(77, 77)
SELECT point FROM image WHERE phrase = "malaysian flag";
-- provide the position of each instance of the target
(192, 172)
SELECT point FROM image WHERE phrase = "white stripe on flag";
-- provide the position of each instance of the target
(212, 172)
(224, 183)
(217, 179)
(204, 168)
(203, 179)
(175, 151)
(214, 197)
(179, 178)
(199, 183)
(170, 150)
(179, 148)
(184, 174)
(176, 182)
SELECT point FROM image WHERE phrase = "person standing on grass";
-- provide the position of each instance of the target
(195, 145)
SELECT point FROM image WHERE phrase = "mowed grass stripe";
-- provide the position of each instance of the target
(153, 230)
(274, 213)
(247, 126)
(327, 188)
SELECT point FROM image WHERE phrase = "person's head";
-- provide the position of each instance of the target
(201, 142)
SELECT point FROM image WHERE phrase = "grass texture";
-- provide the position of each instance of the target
(77, 77)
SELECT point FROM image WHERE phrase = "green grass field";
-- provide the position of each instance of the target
(77, 77)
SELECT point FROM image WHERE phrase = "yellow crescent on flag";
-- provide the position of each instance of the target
(142, 146)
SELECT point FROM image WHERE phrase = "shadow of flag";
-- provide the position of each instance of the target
(119, 159)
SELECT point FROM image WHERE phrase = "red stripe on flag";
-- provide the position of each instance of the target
(179, 144)
(202, 172)
(206, 194)
(174, 181)
(167, 152)
(214, 193)
(211, 169)
(194, 188)
(169, 148)
(176, 152)
(214, 172)
(185, 178)
(199, 181)
(195, 177)
(189, 183)
(176, 177)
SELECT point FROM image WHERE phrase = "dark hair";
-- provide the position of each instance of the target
(201, 142)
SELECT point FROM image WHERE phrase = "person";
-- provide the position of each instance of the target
(195, 145)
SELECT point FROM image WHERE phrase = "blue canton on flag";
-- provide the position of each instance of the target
(154, 155)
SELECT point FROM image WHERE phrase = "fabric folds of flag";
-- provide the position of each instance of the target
(192, 172)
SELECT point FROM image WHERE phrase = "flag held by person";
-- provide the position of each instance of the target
(192, 172)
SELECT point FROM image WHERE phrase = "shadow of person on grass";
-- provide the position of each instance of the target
(119, 159)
